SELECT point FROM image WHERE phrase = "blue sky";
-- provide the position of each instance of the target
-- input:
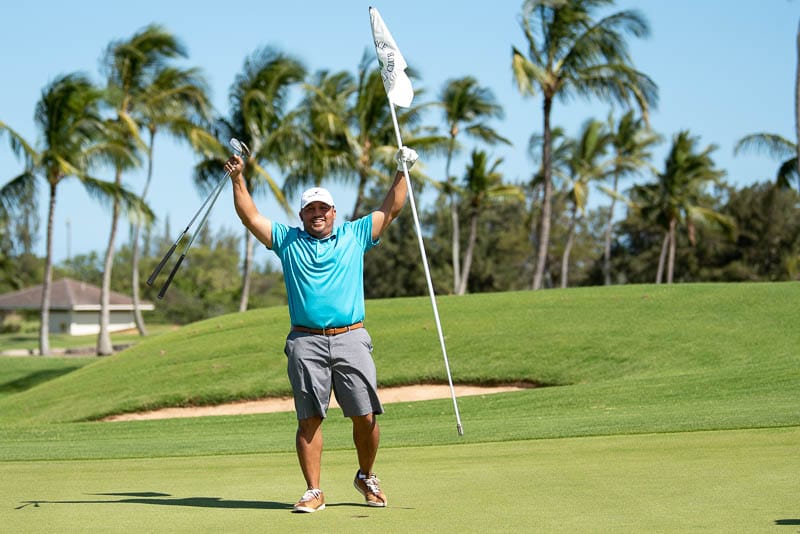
(725, 68)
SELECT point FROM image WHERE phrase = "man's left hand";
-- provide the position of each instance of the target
(407, 155)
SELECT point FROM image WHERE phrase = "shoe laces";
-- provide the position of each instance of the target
(373, 484)
(310, 495)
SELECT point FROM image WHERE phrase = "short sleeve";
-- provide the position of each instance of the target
(362, 229)
(279, 233)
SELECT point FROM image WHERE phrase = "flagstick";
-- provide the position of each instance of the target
(427, 271)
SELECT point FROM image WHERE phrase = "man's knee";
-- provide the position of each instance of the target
(309, 426)
(365, 421)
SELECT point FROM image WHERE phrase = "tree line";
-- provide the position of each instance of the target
(682, 222)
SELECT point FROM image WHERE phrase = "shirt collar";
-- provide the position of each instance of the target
(306, 235)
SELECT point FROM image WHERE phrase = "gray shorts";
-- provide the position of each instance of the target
(319, 364)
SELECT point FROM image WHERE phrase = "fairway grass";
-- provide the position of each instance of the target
(724, 335)
(730, 481)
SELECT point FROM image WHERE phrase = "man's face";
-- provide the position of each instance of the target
(318, 219)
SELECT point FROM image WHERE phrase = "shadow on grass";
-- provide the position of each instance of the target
(34, 379)
(165, 499)
(793, 522)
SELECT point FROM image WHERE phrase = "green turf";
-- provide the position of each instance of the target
(675, 409)
(616, 407)
(734, 481)
(713, 335)
(20, 373)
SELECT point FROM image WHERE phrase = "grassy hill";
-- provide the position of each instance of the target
(668, 353)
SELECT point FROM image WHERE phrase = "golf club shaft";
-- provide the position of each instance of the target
(215, 194)
(168, 255)
(207, 213)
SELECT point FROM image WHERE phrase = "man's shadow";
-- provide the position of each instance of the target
(165, 499)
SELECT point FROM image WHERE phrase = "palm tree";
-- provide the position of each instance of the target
(143, 93)
(630, 141)
(675, 198)
(562, 147)
(69, 123)
(349, 119)
(569, 52)
(466, 105)
(122, 154)
(482, 184)
(259, 98)
(325, 148)
(371, 132)
(584, 166)
(175, 101)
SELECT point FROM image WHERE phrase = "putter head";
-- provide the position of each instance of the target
(240, 148)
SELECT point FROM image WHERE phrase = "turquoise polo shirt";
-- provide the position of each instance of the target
(324, 277)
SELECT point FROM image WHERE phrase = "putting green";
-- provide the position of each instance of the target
(726, 481)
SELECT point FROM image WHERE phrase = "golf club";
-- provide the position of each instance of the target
(241, 150)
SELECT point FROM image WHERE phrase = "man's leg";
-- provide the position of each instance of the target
(366, 437)
(309, 449)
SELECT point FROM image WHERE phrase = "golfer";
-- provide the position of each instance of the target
(328, 348)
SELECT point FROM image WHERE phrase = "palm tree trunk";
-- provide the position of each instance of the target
(671, 262)
(104, 347)
(456, 257)
(544, 228)
(533, 229)
(44, 326)
(662, 258)
(362, 183)
(473, 235)
(607, 240)
(568, 247)
(137, 312)
(246, 270)
(454, 224)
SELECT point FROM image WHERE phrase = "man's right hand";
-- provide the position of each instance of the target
(234, 166)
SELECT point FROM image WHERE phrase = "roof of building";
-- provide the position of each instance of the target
(67, 294)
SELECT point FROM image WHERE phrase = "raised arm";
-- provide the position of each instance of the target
(396, 197)
(259, 226)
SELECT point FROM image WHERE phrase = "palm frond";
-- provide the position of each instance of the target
(19, 145)
(273, 186)
(787, 172)
(16, 191)
(773, 145)
(106, 192)
(526, 73)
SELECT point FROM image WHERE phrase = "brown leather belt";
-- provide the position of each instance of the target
(328, 331)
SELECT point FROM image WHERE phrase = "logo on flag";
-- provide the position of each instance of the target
(393, 65)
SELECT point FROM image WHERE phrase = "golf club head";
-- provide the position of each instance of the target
(240, 148)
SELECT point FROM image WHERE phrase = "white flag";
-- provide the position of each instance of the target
(393, 65)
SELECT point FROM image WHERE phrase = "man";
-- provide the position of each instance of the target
(328, 348)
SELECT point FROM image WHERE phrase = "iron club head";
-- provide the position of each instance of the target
(240, 148)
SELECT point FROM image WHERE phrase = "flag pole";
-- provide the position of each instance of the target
(427, 270)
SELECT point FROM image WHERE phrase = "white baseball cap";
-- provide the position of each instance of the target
(316, 194)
